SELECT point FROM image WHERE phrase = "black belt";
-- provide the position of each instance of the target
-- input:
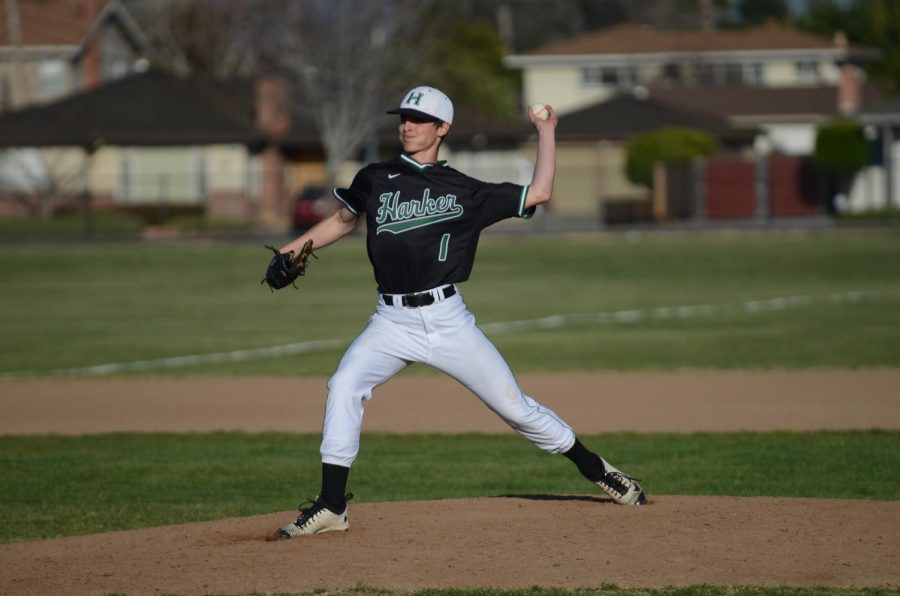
(417, 300)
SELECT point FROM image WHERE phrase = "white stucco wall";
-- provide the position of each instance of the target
(561, 84)
(792, 139)
(869, 191)
(176, 175)
(561, 87)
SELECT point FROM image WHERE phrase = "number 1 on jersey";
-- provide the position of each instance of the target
(442, 252)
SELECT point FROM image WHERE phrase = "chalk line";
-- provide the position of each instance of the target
(628, 316)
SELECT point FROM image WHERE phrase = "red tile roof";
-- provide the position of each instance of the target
(51, 22)
(643, 39)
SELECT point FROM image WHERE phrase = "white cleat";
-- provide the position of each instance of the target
(623, 489)
(318, 519)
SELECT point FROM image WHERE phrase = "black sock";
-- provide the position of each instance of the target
(334, 487)
(588, 462)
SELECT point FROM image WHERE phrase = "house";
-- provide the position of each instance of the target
(154, 140)
(878, 187)
(81, 114)
(588, 69)
(591, 160)
(51, 48)
(159, 144)
(773, 80)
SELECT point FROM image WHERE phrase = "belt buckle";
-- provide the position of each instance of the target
(417, 300)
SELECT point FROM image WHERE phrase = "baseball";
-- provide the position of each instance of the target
(540, 111)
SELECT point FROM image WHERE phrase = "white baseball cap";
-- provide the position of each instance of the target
(426, 102)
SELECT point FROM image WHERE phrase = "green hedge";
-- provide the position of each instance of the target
(841, 147)
(667, 145)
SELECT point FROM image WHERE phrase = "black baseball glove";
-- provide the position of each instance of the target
(286, 267)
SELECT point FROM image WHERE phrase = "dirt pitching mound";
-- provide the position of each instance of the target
(505, 542)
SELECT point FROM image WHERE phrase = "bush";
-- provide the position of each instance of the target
(666, 145)
(71, 224)
(841, 147)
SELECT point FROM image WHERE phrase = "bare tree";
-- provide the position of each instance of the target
(42, 181)
(344, 59)
(217, 38)
(348, 60)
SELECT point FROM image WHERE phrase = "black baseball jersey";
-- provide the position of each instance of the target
(424, 220)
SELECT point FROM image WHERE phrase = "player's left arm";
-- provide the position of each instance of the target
(326, 232)
(541, 188)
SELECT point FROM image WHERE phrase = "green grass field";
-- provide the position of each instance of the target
(79, 485)
(822, 300)
(582, 302)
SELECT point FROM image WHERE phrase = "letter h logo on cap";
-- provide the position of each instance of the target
(414, 98)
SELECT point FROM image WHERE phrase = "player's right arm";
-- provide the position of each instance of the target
(328, 231)
(541, 188)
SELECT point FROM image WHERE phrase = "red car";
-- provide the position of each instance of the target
(310, 207)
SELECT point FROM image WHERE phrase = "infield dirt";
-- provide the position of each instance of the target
(503, 542)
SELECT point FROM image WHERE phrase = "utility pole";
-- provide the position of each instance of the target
(14, 33)
(707, 16)
(506, 25)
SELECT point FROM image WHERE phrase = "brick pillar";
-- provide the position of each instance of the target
(660, 192)
(273, 119)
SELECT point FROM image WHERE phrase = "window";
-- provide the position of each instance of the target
(592, 76)
(753, 74)
(52, 78)
(733, 74)
(671, 73)
(608, 76)
(727, 73)
(807, 71)
(118, 68)
(127, 176)
(199, 175)
(704, 74)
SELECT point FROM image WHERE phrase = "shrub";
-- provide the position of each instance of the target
(667, 145)
(841, 147)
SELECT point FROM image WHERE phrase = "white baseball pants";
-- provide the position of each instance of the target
(444, 336)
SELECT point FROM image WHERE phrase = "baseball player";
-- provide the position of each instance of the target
(423, 221)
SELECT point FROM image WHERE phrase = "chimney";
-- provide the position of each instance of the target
(840, 40)
(91, 62)
(91, 65)
(849, 89)
(273, 107)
